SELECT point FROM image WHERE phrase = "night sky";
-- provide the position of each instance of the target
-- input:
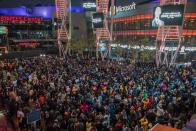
(15, 3)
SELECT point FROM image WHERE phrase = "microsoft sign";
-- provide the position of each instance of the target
(126, 8)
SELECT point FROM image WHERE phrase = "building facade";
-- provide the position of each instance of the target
(132, 22)
(33, 26)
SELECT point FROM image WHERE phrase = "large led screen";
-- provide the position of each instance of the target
(168, 15)
(98, 20)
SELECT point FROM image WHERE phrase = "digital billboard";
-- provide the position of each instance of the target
(168, 15)
(98, 20)
(89, 5)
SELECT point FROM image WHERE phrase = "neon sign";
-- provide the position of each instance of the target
(3, 30)
(20, 19)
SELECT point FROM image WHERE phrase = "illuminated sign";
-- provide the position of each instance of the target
(142, 47)
(29, 44)
(168, 15)
(89, 5)
(126, 8)
(97, 20)
(20, 19)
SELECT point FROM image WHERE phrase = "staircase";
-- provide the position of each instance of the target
(62, 14)
(168, 33)
(103, 33)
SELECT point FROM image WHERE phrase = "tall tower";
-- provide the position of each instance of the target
(63, 36)
(169, 34)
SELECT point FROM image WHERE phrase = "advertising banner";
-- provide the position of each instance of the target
(98, 20)
(89, 5)
(168, 15)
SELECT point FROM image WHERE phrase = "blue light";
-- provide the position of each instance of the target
(77, 9)
(157, 1)
(37, 11)
(45, 13)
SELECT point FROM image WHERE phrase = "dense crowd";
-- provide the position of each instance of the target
(86, 95)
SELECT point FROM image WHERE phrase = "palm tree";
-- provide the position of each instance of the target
(79, 45)
(91, 41)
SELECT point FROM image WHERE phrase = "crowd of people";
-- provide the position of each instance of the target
(88, 95)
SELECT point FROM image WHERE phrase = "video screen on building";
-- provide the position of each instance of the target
(98, 20)
(89, 5)
(168, 15)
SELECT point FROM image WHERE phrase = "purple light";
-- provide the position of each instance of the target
(39, 11)
(157, 1)
(76, 9)
(45, 13)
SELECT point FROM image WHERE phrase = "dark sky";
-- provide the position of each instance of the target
(15, 3)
